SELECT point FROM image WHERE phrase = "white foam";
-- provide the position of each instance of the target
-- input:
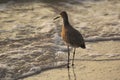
(3, 7)
(113, 54)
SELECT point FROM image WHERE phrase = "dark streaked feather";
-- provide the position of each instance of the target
(74, 38)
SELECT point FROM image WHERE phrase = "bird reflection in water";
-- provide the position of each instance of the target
(71, 73)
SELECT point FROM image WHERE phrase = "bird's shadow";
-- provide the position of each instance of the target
(72, 73)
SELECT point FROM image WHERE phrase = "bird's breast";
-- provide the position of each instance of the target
(64, 33)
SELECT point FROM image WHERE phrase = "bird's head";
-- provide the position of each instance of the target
(63, 14)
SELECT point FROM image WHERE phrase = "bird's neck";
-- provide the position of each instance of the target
(66, 22)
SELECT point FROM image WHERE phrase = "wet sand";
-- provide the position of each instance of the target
(83, 70)
(88, 66)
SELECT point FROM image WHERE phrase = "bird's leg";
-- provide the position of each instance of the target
(73, 57)
(68, 56)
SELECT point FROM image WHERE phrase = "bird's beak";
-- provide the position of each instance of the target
(57, 17)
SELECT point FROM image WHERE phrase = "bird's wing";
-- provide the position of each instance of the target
(75, 38)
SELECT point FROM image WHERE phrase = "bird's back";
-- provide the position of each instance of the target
(72, 37)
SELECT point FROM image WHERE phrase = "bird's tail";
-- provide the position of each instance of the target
(83, 46)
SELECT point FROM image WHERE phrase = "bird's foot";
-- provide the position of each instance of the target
(68, 66)
(72, 64)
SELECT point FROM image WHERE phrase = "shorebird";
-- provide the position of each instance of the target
(70, 36)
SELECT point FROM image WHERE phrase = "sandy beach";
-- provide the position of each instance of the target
(83, 70)
(31, 47)
(102, 66)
